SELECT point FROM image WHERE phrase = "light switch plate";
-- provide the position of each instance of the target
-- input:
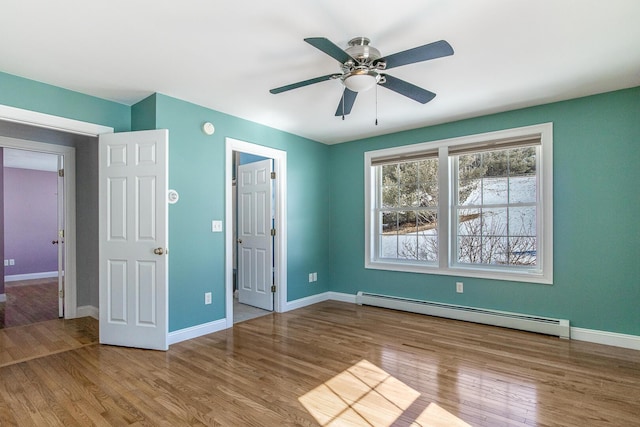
(216, 226)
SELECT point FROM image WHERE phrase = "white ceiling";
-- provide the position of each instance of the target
(226, 55)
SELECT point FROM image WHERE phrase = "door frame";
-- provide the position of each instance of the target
(47, 121)
(280, 244)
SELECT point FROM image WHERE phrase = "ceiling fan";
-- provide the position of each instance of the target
(362, 67)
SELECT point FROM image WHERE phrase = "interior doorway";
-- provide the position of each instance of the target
(265, 268)
(33, 220)
(253, 221)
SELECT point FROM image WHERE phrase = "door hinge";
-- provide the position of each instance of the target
(61, 293)
(61, 233)
(61, 172)
(273, 288)
(273, 175)
(273, 231)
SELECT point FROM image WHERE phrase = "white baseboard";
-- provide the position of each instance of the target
(88, 311)
(303, 302)
(3, 297)
(339, 296)
(30, 276)
(196, 331)
(607, 338)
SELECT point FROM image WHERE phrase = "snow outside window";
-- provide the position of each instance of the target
(478, 206)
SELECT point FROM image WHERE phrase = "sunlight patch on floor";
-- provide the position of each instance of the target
(365, 395)
(435, 416)
(362, 395)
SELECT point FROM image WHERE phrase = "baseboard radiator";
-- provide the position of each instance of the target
(543, 325)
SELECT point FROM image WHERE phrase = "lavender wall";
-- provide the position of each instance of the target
(30, 221)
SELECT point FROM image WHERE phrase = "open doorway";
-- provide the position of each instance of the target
(32, 193)
(255, 237)
(253, 221)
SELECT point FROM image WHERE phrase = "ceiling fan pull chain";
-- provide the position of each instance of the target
(376, 105)
(343, 106)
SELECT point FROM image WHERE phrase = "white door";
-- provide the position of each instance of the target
(133, 239)
(60, 238)
(255, 252)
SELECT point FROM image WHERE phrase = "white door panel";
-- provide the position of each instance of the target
(133, 224)
(255, 275)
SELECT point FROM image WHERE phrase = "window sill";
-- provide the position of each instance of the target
(485, 273)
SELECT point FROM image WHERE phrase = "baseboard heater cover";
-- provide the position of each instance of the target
(542, 325)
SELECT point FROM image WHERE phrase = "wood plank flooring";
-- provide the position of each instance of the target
(332, 364)
(29, 301)
(22, 343)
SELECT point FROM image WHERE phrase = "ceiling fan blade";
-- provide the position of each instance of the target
(407, 89)
(417, 54)
(303, 83)
(328, 47)
(346, 102)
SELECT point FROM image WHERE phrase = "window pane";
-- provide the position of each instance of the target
(494, 191)
(389, 222)
(494, 222)
(427, 225)
(469, 222)
(522, 251)
(522, 161)
(390, 196)
(522, 189)
(470, 192)
(494, 250)
(390, 190)
(428, 194)
(469, 249)
(522, 221)
(408, 246)
(470, 166)
(389, 246)
(496, 163)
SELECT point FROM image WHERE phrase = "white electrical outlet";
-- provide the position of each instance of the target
(315, 277)
(12, 262)
(310, 277)
(6, 263)
(207, 297)
(459, 287)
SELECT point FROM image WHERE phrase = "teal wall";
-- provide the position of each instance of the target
(596, 226)
(596, 148)
(196, 171)
(35, 96)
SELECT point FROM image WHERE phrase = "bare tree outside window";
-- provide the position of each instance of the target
(495, 209)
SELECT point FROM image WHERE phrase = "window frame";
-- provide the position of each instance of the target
(446, 264)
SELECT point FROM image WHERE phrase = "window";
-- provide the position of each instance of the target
(476, 206)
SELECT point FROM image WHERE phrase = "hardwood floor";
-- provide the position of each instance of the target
(333, 364)
(29, 301)
(22, 343)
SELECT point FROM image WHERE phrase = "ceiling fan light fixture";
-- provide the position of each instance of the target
(361, 80)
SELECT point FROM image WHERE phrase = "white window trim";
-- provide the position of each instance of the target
(545, 194)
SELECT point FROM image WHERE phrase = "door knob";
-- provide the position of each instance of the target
(54, 242)
(240, 241)
(158, 251)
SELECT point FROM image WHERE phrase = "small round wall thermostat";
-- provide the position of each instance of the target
(173, 196)
(208, 128)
